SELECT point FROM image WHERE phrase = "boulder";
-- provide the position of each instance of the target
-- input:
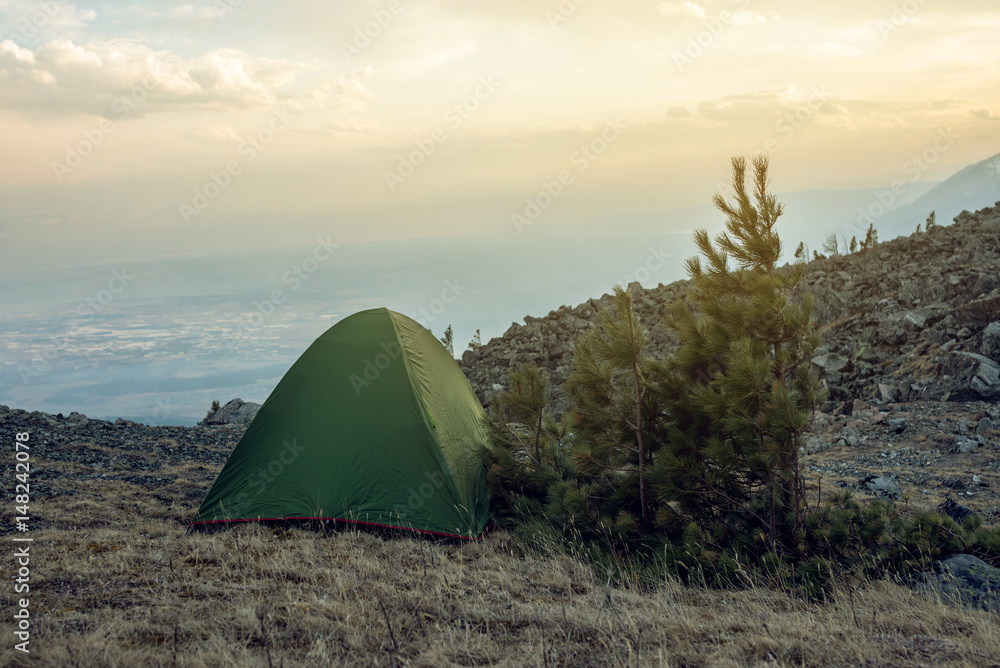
(972, 377)
(964, 446)
(850, 436)
(915, 320)
(881, 486)
(77, 418)
(831, 363)
(815, 444)
(990, 346)
(964, 579)
(897, 425)
(236, 412)
(979, 312)
(955, 510)
(986, 424)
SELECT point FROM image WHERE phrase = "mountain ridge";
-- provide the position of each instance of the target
(899, 321)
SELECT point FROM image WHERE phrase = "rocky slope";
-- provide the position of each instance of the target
(907, 320)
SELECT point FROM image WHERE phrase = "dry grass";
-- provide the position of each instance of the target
(117, 581)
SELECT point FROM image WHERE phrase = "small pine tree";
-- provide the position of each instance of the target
(449, 340)
(476, 343)
(871, 237)
(831, 246)
(739, 392)
(802, 253)
(854, 245)
(215, 407)
(609, 387)
(931, 222)
(517, 415)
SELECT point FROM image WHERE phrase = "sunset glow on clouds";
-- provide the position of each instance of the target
(161, 96)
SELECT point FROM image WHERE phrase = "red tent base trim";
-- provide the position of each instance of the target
(478, 539)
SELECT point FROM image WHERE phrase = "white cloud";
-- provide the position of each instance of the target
(746, 17)
(63, 77)
(688, 10)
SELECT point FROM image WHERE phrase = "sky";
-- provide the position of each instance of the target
(158, 129)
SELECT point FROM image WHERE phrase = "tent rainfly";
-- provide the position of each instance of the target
(374, 424)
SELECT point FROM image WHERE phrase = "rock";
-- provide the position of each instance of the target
(558, 351)
(850, 436)
(953, 483)
(979, 312)
(898, 425)
(990, 346)
(887, 392)
(815, 444)
(964, 446)
(972, 377)
(964, 579)
(831, 363)
(955, 510)
(915, 320)
(881, 486)
(236, 412)
(986, 424)
(77, 418)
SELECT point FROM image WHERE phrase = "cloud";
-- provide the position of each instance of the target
(753, 106)
(688, 10)
(678, 112)
(213, 134)
(63, 77)
(745, 17)
(984, 114)
(693, 13)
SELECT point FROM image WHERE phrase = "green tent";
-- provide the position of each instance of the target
(374, 424)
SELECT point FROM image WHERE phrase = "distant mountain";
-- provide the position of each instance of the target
(975, 187)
